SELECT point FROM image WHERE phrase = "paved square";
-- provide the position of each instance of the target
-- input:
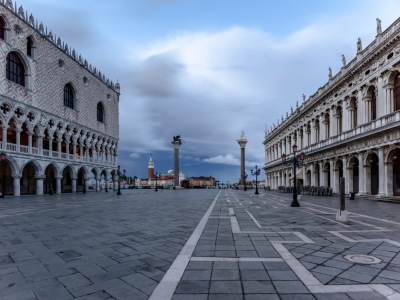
(197, 244)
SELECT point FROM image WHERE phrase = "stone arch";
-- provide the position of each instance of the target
(67, 181)
(3, 27)
(81, 179)
(371, 105)
(30, 171)
(354, 169)
(392, 162)
(8, 169)
(51, 173)
(372, 173)
(36, 164)
(394, 83)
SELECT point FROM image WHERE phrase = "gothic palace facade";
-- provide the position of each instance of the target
(349, 128)
(58, 114)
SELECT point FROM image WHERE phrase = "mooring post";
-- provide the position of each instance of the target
(342, 195)
(342, 215)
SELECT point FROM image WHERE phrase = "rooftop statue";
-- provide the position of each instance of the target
(359, 46)
(378, 26)
(343, 60)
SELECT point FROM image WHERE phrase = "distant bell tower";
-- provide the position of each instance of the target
(151, 167)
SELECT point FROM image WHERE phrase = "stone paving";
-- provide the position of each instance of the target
(197, 244)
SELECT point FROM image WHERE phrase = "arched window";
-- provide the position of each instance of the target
(15, 70)
(373, 104)
(396, 92)
(69, 96)
(100, 112)
(29, 46)
(2, 29)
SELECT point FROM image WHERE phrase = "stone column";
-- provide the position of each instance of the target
(18, 138)
(39, 184)
(335, 179)
(50, 146)
(5, 137)
(86, 183)
(17, 185)
(345, 117)
(74, 149)
(30, 142)
(81, 151)
(242, 143)
(40, 143)
(73, 184)
(58, 184)
(59, 146)
(176, 142)
(321, 174)
(361, 174)
(389, 179)
(381, 172)
(98, 184)
(331, 171)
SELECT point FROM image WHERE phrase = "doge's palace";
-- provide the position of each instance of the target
(58, 113)
(349, 128)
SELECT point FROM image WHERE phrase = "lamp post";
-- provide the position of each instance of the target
(3, 157)
(245, 179)
(256, 172)
(296, 161)
(119, 180)
(156, 190)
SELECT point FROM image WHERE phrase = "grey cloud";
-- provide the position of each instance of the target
(158, 76)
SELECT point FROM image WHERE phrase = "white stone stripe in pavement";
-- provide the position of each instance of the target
(198, 258)
(167, 286)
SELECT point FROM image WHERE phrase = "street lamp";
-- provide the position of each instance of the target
(296, 161)
(245, 179)
(256, 173)
(3, 157)
(156, 190)
(119, 180)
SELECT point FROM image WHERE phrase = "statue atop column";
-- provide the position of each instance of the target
(177, 141)
(242, 143)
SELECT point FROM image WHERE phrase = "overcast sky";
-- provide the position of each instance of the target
(209, 69)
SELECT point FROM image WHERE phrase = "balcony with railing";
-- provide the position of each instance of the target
(55, 155)
(361, 131)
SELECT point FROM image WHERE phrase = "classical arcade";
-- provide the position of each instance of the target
(349, 128)
(58, 113)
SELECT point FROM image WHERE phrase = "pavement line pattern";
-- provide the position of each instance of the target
(309, 280)
(167, 286)
(235, 259)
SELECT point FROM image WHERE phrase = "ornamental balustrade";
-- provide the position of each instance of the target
(377, 124)
(13, 148)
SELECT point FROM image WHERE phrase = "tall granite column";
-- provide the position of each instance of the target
(242, 143)
(176, 142)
